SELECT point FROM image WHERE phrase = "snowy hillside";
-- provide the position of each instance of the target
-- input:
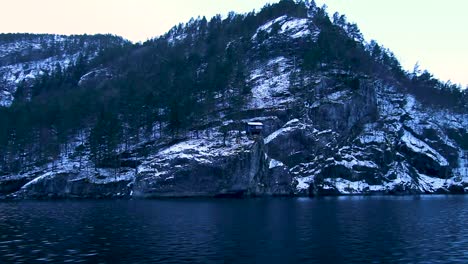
(25, 57)
(167, 118)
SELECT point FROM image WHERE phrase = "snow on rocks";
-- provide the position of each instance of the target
(270, 84)
(290, 26)
(275, 134)
(398, 176)
(296, 28)
(344, 186)
(338, 95)
(431, 184)
(303, 183)
(462, 170)
(176, 38)
(419, 146)
(410, 103)
(199, 151)
(268, 26)
(389, 110)
(191, 149)
(202, 149)
(372, 137)
(26, 58)
(351, 161)
(13, 75)
(101, 73)
(275, 163)
(289, 126)
(402, 178)
(38, 179)
(449, 119)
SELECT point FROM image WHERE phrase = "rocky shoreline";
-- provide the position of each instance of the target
(327, 131)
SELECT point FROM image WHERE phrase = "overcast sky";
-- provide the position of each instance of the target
(433, 32)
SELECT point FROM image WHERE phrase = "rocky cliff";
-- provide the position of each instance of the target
(327, 131)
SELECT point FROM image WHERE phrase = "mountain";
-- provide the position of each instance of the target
(25, 57)
(166, 118)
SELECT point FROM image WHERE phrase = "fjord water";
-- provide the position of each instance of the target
(409, 229)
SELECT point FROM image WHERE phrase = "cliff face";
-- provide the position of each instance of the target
(397, 147)
(188, 169)
(331, 131)
(386, 144)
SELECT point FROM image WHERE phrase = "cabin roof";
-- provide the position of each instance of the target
(255, 124)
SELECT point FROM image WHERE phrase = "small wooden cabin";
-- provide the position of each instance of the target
(254, 128)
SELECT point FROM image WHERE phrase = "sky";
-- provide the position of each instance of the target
(433, 33)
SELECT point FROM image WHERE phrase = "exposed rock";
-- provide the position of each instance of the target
(12, 185)
(25, 57)
(95, 77)
(188, 169)
(327, 131)
(69, 185)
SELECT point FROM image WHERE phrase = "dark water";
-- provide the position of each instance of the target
(426, 229)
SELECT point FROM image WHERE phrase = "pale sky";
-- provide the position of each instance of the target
(433, 32)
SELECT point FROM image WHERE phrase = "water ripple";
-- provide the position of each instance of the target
(426, 229)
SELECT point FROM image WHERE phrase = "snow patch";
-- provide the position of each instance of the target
(431, 184)
(267, 27)
(270, 84)
(38, 179)
(290, 26)
(275, 163)
(410, 103)
(352, 187)
(297, 28)
(14, 74)
(373, 137)
(303, 183)
(419, 146)
(350, 164)
(462, 170)
(337, 95)
(401, 171)
(174, 38)
(275, 134)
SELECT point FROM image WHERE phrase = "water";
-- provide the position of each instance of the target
(424, 229)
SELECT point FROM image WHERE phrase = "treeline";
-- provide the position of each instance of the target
(341, 43)
(159, 82)
(176, 84)
(46, 113)
(41, 46)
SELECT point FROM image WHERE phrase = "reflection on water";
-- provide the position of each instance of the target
(423, 229)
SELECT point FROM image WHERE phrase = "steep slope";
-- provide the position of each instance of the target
(25, 57)
(339, 115)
